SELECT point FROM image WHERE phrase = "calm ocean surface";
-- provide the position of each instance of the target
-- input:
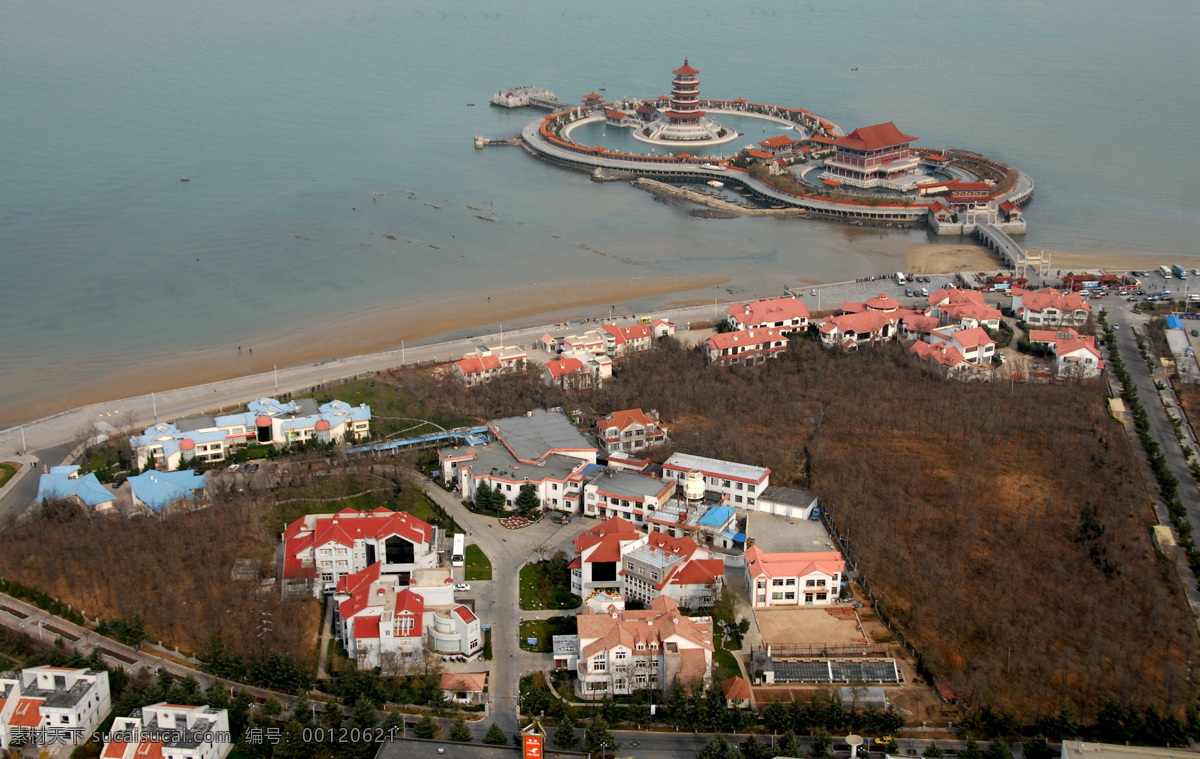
(305, 126)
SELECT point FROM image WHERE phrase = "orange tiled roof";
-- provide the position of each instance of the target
(874, 137)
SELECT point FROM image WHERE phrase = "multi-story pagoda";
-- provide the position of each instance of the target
(685, 96)
(684, 121)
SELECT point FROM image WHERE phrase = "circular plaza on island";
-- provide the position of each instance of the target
(773, 157)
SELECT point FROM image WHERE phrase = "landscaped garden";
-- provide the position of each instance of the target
(547, 585)
(543, 631)
(478, 567)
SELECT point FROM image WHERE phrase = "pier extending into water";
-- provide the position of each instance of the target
(1012, 253)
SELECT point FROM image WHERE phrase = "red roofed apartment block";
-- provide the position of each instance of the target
(792, 579)
(479, 367)
(973, 344)
(70, 701)
(629, 430)
(1049, 307)
(747, 346)
(1076, 356)
(781, 313)
(323, 549)
(385, 624)
(625, 651)
(619, 341)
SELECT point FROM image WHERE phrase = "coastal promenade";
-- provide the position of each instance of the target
(141, 411)
(65, 428)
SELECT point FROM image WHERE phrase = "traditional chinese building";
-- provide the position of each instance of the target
(874, 156)
(685, 96)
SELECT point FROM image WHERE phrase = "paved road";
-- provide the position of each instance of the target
(1120, 313)
(497, 602)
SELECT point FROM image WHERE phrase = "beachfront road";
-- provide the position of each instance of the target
(142, 411)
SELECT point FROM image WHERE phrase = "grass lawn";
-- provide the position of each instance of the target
(537, 592)
(725, 660)
(478, 567)
(7, 470)
(544, 630)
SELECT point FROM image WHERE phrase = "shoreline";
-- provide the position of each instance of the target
(370, 332)
(473, 316)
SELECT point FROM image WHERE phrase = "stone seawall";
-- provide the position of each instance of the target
(663, 189)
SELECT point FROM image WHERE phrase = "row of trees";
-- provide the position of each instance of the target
(488, 499)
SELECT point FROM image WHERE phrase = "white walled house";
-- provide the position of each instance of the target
(621, 341)
(742, 483)
(625, 651)
(629, 430)
(266, 421)
(481, 366)
(384, 624)
(324, 548)
(541, 448)
(45, 704)
(973, 345)
(598, 552)
(786, 314)
(748, 346)
(170, 731)
(1075, 355)
(1049, 307)
(631, 496)
(674, 567)
(793, 579)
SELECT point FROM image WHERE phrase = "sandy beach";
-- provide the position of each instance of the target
(949, 257)
(371, 332)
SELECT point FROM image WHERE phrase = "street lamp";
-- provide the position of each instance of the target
(401, 353)
(276, 370)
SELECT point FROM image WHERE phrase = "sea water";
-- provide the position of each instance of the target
(312, 133)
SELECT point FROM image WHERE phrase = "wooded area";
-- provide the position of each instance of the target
(175, 573)
(1004, 528)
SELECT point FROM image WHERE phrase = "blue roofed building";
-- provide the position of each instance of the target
(266, 421)
(158, 490)
(64, 483)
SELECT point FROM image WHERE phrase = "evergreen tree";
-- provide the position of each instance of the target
(216, 696)
(821, 745)
(460, 732)
(752, 748)
(718, 748)
(1038, 748)
(291, 743)
(302, 710)
(271, 707)
(495, 736)
(427, 728)
(971, 750)
(393, 725)
(776, 716)
(933, 751)
(998, 750)
(484, 496)
(788, 745)
(1062, 724)
(598, 738)
(527, 500)
(566, 736)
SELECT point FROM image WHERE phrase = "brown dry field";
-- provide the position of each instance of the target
(806, 626)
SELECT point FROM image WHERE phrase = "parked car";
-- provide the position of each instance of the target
(329, 588)
(816, 514)
(814, 291)
(1195, 333)
(907, 293)
(460, 587)
(234, 467)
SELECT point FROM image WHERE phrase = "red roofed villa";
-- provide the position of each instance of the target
(792, 579)
(875, 156)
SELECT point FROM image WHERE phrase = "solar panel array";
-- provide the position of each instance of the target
(836, 671)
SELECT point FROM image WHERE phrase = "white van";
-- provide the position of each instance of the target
(900, 280)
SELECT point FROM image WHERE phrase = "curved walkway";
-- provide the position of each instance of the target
(590, 161)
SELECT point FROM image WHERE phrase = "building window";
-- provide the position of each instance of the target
(789, 596)
(791, 581)
(809, 583)
(619, 655)
(739, 486)
(598, 666)
(777, 596)
(779, 583)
